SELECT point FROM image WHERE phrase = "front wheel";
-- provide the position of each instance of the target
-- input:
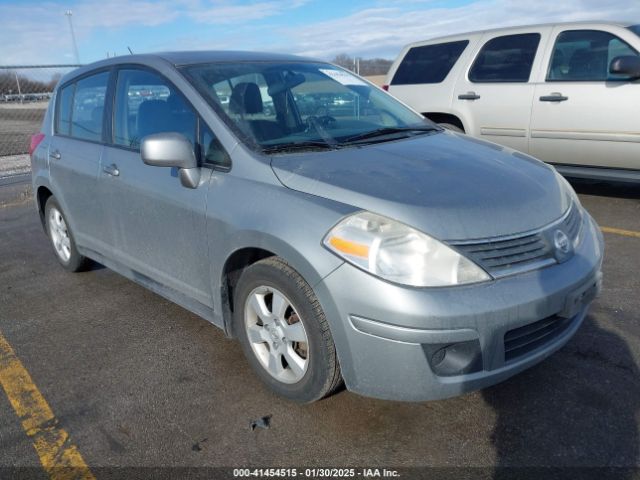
(284, 333)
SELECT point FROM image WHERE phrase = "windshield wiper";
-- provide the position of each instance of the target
(298, 146)
(381, 132)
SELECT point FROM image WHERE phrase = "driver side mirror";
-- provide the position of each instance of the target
(172, 150)
(626, 65)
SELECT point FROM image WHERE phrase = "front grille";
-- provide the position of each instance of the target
(522, 340)
(504, 256)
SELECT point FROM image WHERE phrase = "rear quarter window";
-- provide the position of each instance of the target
(506, 59)
(429, 63)
(63, 115)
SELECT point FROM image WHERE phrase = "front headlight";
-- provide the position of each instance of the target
(399, 253)
(568, 190)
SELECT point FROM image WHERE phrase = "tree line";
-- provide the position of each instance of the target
(9, 83)
(366, 66)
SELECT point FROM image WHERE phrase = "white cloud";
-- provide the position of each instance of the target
(39, 33)
(34, 33)
(383, 31)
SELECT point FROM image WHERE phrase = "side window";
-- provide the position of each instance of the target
(212, 151)
(146, 103)
(88, 107)
(429, 63)
(585, 56)
(506, 59)
(63, 117)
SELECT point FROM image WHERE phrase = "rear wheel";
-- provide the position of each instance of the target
(284, 333)
(62, 239)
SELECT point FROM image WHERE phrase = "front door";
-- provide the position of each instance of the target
(582, 114)
(160, 226)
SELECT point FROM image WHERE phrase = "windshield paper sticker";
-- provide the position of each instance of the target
(342, 77)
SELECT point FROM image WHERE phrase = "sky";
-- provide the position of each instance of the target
(38, 32)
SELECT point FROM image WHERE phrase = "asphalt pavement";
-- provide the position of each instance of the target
(138, 381)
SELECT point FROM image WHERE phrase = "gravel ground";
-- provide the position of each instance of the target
(14, 165)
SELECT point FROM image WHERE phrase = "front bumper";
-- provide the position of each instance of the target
(390, 338)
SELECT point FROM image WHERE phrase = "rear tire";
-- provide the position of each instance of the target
(452, 127)
(61, 237)
(284, 333)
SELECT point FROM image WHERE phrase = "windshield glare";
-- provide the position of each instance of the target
(275, 105)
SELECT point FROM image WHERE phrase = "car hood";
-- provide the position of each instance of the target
(448, 185)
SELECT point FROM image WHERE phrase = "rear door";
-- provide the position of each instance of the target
(582, 114)
(425, 77)
(159, 224)
(74, 158)
(494, 97)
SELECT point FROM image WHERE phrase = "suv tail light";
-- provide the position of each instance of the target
(35, 141)
(385, 88)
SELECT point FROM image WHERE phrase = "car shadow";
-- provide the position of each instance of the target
(605, 189)
(574, 415)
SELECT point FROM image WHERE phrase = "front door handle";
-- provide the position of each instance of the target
(111, 170)
(55, 155)
(554, 97)
(468, 96)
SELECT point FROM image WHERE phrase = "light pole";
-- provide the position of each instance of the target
(69, 13)
(18, 83)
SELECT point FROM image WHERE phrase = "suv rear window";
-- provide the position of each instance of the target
(506, 59)
(429, 63)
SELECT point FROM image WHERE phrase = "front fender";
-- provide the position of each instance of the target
(282, 221)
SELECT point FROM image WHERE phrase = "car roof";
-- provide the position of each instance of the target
(204, 56)
(520, 27)
(187, 58)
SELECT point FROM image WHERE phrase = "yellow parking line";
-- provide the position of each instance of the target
(59, 457)
(620, 231)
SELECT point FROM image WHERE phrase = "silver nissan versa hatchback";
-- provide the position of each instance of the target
(332, 230)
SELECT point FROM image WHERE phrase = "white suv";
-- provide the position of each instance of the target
(568, 94)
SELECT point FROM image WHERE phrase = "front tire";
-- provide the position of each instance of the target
(284, 333)
(61, 238)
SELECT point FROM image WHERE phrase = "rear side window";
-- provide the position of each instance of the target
(88, 107)
(585, 56)
(506, 59)
(65, 101)
(146, 103)
(429, 63)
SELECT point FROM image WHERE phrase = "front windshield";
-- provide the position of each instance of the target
(282, 106)
(635, 29)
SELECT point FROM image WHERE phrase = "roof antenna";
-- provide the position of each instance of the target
(130, 51)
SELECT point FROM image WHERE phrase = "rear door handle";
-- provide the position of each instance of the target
(554, 97)
(111, 170)
(468, 96)
(55, 155)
